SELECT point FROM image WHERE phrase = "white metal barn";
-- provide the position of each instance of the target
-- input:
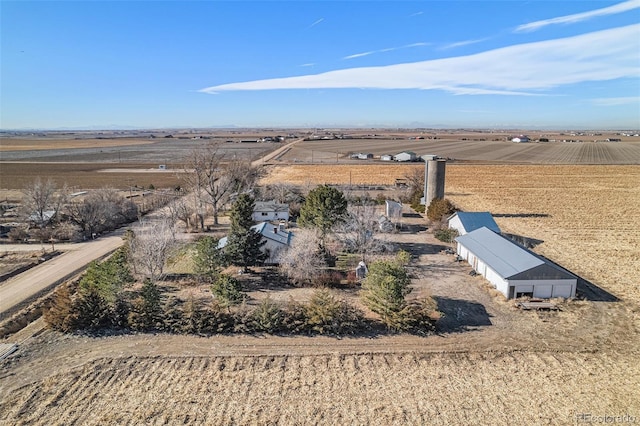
(512, 269)
(465, 222)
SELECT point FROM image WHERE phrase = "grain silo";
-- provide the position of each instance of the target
(434, 170)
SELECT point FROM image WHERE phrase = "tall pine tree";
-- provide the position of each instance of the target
(244, 245)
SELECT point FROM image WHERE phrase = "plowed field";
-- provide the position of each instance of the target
(376, 389)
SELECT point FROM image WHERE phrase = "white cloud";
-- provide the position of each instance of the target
(310, 64)
(515, 70)
(578, 17)
(359, 55)
(616, 101)
(388, 49)
(315, 23)
(463, 43)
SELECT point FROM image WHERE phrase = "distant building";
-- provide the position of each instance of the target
(406, 156)
(386, 157)
(521, 139)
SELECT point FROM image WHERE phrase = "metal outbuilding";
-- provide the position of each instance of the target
(465, 222)
(512, 269)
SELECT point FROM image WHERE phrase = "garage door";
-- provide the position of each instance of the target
(562, 291)
(542, 291)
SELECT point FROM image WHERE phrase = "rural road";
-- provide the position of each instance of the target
(270, 156)
(26, 285)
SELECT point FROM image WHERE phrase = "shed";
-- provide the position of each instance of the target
(512, 269)
(270, 211)
(465, 222)
(386, 157)
(406, 156)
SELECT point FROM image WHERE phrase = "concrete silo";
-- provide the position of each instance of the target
(434, 172)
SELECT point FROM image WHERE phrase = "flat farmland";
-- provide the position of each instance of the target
(472, 150)
(361, 389)
(586, 216)
(81, 176)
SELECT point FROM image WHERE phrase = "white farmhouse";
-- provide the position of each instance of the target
(277, 240)
(270, 211)
(465, 222)
(512, 269)
(520, 139)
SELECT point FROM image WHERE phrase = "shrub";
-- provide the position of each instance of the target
(59, 315)
(446, 235)
(267, 317)
(327, 315)
(439, 209)
(327, 279)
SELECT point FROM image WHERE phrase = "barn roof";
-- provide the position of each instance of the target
(508, 259)
(476, 220)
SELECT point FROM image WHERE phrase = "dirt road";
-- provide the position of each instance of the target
(270, 156)
(28, 284)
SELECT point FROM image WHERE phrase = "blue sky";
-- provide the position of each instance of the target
(535, 64)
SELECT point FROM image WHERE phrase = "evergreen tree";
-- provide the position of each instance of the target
(384, 292)
(227, 290)
(244, 244)
(92, 310)
(147, 311)
(323, 208)
(208, 258)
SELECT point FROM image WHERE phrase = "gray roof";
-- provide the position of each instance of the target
(508, 259)
(500, 254)
(476, 220)
(270, 206)
(268, 231)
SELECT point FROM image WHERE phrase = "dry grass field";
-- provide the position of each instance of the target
(359, 389)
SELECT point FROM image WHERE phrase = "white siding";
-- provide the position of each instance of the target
(546, 289)
(498, 282)
(456, 224)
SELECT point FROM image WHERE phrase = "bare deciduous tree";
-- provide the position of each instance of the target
(151, 245)
(303, 261)
(41, 201)
(213, 179)
(181, 209)
(360, 232)
(101, 210)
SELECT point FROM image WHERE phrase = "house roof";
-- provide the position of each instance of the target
(269, 231)
(476, 220)
(270, 206)
(508, 259)
(411, 153)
